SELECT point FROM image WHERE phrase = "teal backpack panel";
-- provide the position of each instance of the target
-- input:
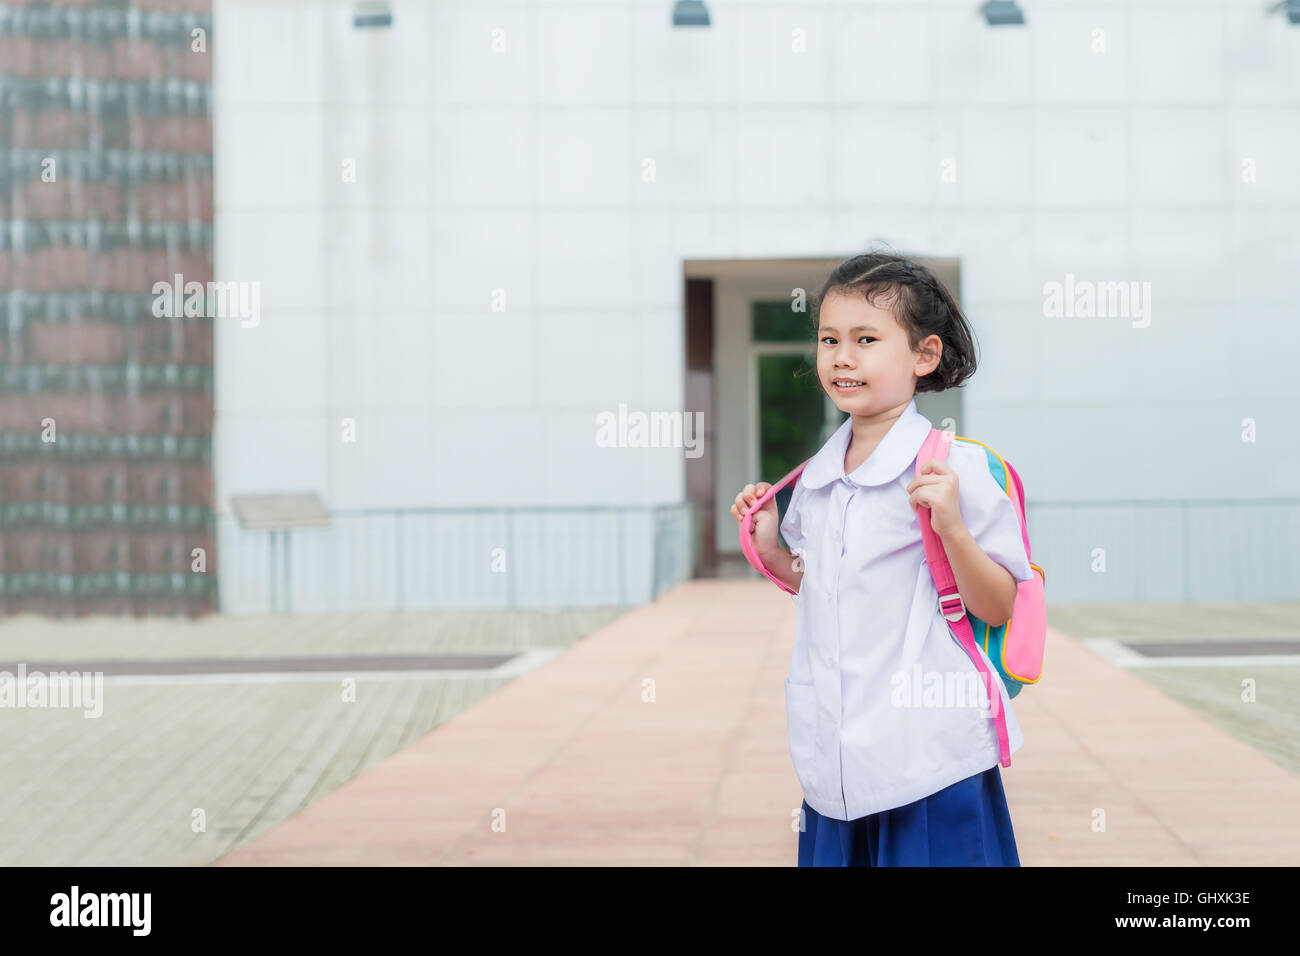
(990, 638)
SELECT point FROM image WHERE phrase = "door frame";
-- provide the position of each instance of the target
(737, 283)
(736, 369)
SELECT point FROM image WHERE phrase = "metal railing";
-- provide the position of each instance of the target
(457, 557)
(1202, 550)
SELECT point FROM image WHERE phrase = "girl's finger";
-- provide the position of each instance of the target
(926, 480)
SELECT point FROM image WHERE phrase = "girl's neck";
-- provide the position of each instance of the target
(867, 433)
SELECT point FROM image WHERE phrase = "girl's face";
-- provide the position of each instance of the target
(860, 343)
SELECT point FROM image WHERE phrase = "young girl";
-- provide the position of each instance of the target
(892, 776)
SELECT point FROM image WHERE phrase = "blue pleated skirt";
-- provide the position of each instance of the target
(965, 824)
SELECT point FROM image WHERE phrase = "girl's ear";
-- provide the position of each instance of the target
(928, 354)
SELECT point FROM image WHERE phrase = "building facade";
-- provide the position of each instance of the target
(476, 230)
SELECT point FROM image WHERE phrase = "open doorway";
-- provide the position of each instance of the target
(750, 368)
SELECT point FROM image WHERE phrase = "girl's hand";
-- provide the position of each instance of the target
(937, 489)
(763, 529)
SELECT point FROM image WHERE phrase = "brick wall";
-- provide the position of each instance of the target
(106, 411)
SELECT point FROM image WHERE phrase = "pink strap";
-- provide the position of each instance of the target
(950, 603)
(747, 537)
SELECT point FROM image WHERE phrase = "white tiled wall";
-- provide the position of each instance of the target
(521, 170)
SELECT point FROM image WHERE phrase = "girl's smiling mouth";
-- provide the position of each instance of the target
(847, 385)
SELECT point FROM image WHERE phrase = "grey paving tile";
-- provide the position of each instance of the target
(120, 789)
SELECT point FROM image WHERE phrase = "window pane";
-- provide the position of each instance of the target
(778, 322)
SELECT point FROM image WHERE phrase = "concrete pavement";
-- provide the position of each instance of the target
(660, 740)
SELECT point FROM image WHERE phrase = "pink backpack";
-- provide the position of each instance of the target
(1015, 647)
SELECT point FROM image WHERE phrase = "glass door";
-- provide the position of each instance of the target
(793, 415)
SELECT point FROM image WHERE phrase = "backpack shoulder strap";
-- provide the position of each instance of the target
(952, 607)
(747, 537)
(936, 445)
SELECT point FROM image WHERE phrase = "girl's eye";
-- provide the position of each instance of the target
(868, 337)
(828, 338)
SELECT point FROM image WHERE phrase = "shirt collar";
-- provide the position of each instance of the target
(896, 451)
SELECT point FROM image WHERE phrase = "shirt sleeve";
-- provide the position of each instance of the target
(987, 510)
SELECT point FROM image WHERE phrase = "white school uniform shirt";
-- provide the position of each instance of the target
(868, 629)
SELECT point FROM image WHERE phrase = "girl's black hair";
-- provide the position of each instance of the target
(918, 301)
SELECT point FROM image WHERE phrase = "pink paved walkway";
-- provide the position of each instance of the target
(584, 771)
